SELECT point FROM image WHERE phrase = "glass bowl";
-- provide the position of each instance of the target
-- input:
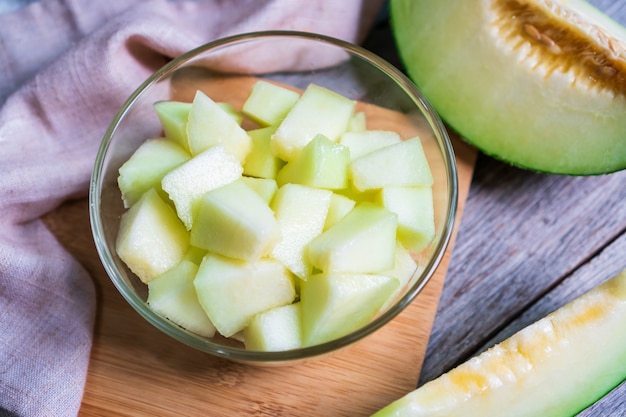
(224, 70)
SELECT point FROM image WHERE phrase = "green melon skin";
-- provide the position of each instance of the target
(487, 81)
(555, 367)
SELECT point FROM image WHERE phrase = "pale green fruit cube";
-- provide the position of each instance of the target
(147, 166)
(363, 241)
(268, 103)
(322, 163)
(340, 205)
(317, 111)
(416, 214)
(358, 122)
(173, 296)
(235, 221)
(403, 270)
(265, 187)
(206, 171)
(261, 161)
(335, 304)
(277, 329)
(173, 116)
(232, 291)
(364, 142)
(209, 125)
(403, 165)
(151, 238)
(301, 213)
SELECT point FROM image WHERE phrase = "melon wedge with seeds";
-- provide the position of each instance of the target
(553, 368)
(540, 84)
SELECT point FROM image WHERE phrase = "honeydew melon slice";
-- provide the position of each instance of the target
(151, 238)
(363, 241)
(317, 111)
(322, 163)
(173, 116)
(335, 304)
(173, 296)
(274, 330)
(538, 83)
(340, 205)
(268, 103)
(147, 166)
(234, 221)
(553, 368)
(300, 212)
(232, 292)
(209, 124)
(206, 171)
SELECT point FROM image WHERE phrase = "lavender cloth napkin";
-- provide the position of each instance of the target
(66, 66)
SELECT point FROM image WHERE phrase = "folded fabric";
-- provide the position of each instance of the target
(66, 66)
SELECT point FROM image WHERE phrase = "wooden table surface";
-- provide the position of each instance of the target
(527, 244)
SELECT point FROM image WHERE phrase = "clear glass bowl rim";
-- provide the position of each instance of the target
(241, 354)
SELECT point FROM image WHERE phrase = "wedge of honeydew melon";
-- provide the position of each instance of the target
(261, 161)
(234, 221)
(265, 187)
(204, 172)
(322, 163)
(232, 291)
(403, 164)
(366, 141)
(335, 304)
(173, 116)
(151, 238)
(147, 166)
(275, 330)
(538, 83)
(268, 103)
(318, 111)
(416, 214)
(173, 296)
(340, 205)
(209, 125)
(300, 212)
(553, 368)
(363, 241)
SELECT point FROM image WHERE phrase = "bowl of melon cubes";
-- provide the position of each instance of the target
(273, 197)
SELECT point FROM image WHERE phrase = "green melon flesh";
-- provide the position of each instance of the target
(553, 368)
(538, 83)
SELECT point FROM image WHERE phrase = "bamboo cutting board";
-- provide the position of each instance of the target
(135, 370)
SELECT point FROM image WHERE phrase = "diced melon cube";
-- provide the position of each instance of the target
(277, 329)
(403, 164)
(335, 304)
(235, 221)
(264, 187)
(151, 238)
(301, 213)
(209, 125)
(416, 216)
(204, 172)
(147, 166)
(173, 116)
(403, 270)
(340, 205)
(261, 162)
(364, 142)
(363, 241)
(232, 291)
(317, 111)
(322, 163)
(173, 296)
(358, 122)
(268, 103)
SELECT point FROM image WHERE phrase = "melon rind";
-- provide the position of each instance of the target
(487, 83)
